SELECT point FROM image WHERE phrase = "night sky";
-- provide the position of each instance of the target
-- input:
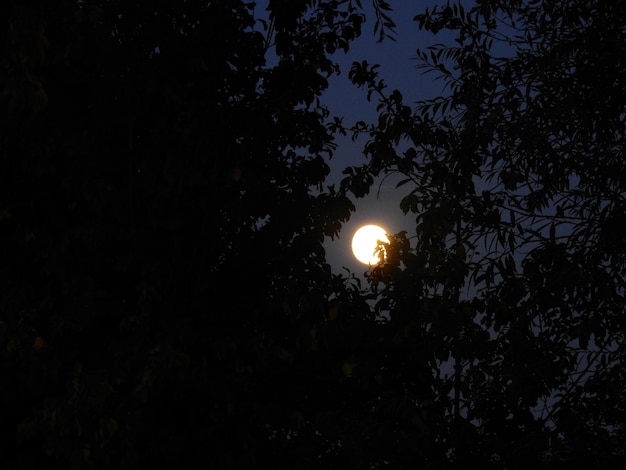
(397, 68)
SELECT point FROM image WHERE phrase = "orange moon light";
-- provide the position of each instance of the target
(365, 241)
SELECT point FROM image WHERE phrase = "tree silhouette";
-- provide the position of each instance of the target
(165, 298)
(513, 280)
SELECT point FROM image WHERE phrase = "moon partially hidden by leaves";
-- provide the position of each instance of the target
(365, 243)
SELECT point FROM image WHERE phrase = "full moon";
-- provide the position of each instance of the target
(365, 241)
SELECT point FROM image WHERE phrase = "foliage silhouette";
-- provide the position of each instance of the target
(514, 275)
(165, 298)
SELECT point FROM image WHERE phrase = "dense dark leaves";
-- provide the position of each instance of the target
(165, 298)
(516, 264)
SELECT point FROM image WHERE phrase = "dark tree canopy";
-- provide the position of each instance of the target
(164, 294)
(514, 274)
(162, 211)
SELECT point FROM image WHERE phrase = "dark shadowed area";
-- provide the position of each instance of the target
(176, 283)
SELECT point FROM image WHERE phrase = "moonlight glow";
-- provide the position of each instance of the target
(365, 241)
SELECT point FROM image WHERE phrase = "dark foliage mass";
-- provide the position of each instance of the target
(514, 276)
(164, 295)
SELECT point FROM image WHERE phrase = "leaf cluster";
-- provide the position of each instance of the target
(165, 297)
(514, 268)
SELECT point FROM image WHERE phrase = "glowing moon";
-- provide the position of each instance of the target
(365, 241)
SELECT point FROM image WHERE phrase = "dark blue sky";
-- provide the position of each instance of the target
(397, 67)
